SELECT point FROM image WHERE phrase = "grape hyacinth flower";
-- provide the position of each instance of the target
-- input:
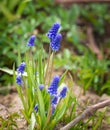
(31, 40)
(41, 86)
(36, 108)
(55, 44)
(52, 89)
(63, 92)
(53, 31)
(21, 68)
(54, 100)
(19, 80)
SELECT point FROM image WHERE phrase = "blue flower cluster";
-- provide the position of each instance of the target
(53, 91)
(36, 108)
(20, 71)
(55, 44)
(54, 37)
(31, 40)
(41, 86)
(54, 100)
(63, 92)
(19, 80)
(21, 68)
(53, 31)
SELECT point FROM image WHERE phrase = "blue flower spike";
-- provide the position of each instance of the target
(52, 89)
(41, 86)
(21, 68)
(55, 44)
(63, 92)
(31, 41)
(54, 100)
(36, 108)
(55, 37)
(53, 31)
(19, 80)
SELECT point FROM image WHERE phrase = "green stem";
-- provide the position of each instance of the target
(49, 68)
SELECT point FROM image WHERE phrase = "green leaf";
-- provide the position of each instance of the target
(41, 107)
(7, 12)
(63, 77)
(40, 67)
(22, 6)
(60, 111)
(7, 71)
(12, 4)
(33, 121)
(10, 72)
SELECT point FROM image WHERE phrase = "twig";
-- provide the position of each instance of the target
(88, 112)
(92, 43)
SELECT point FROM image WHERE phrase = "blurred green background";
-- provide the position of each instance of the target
(20, 19)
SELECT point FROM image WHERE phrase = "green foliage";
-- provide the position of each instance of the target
(96, 15)
(92, 71)
(65, 60)
(87, 70)
(27, 15)
(9, 123)
(8, 8)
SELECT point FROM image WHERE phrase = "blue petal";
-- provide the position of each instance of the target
(63, 92)
(52, 89)
(19, 80)
(31, 40)
(53, 31)
(55, 44)
(21, 68)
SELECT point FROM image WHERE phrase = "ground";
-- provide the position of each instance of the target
(11, 103)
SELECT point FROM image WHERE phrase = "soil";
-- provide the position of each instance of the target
(11, 104)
